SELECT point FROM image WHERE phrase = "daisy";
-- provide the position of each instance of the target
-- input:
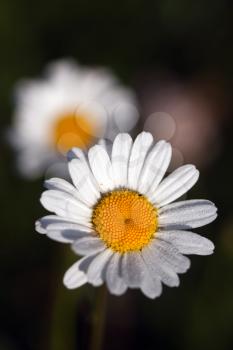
(120, 217)
(69, 107)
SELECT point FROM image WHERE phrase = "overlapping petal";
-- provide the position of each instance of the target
(187, 214)
(101, 167)
(120, 159)
(175, 185)
(155, 167)
(139, 152)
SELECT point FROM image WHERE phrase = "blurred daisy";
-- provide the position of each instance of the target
(120, 217)
(71, 106)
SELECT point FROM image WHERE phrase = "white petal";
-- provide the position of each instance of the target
(120, 159)
(155, 166)
(158, 268)
(42, 223)
(84, 181)
(170, 255)
(107, 145)
(97, 266)
(114, 282)
(74, 278)
(85, 263)
(187, 242)
(175, 185)
(63, 223)
(187, 214)
(133, 269)
(65, 236)
(63, 204)
(61, 230)
(139, 151)
(59, 225)
(88, 245)
(101, 167)
(151, 285)
(60, 185)
(64, 186)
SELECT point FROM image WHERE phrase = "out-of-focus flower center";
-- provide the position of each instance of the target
(73, 130)
(125, 220)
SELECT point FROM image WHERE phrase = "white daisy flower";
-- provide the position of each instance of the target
(70, 107)
(119, 216)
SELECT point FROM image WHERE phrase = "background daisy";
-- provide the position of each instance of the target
(70, 106)
(119, 215)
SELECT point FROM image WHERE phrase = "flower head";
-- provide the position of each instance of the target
(120, 217)
(72, 106)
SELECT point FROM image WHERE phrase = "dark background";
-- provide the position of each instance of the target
(189, 43)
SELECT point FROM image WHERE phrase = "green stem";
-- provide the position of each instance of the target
(99, 318)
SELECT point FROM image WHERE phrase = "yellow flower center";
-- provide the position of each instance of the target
(125, 220)
(72, 130)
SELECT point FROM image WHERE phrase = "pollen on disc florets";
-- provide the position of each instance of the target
(125, 220)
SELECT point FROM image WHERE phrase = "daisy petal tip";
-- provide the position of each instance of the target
(117, 293)
(147, 135)
(39, 228)
(74, 279)
(163, 142)
(190, 168)
(214, 213)
(67, 285)
(48, 184)
(197, 174)
(71, 154)
(74, 153)
(177, 284)
(169, 151)
(94, 149)
(43, 199)
(186, 267)
(123, 136)
(151, 294)
(209, 247)
(165, 146)
(97, 283)
(169, 147)
(193, 171)
(210, 252)
(73, 248)
(212, 203)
